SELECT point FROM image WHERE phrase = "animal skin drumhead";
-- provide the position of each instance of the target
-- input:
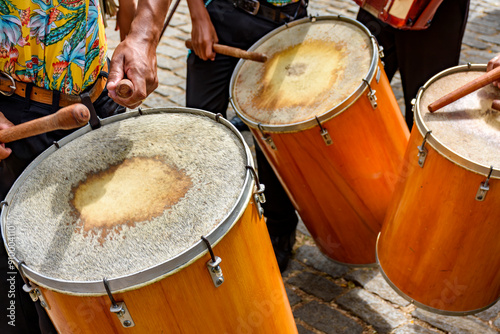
(312, 67)
(127, 196)
(469, 126)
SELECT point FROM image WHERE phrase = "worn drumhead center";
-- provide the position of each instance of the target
(469, 126)
(311, 68)
(128, 196)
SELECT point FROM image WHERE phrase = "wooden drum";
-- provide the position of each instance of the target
(322, 110)
(439, 246)
(148, 224)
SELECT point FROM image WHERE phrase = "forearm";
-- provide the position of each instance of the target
(135, 57)
(125, 16)
(203, 34)
(149, 20)
(197, 11)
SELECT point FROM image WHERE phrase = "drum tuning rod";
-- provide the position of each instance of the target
(67, 118)
(233, 52)
(466, 89)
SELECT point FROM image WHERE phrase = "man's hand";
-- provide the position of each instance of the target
(203, 35)
(135, 57)
(493, 63)
(4, 124)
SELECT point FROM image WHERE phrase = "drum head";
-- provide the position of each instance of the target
(313, 66)
(126, 197)
(467, 130)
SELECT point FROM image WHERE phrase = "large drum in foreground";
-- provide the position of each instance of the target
(323, 112)
(440, 242)
(148, 225)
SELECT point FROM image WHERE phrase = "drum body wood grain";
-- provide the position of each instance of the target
(341, 189)
(153, 258)
(439, 243)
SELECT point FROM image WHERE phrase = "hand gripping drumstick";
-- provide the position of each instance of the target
(495, 104)
(233, 52)
(468, 88)
(125, 87)
(67, 118)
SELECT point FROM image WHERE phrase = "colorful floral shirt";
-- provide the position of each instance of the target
(281, 2)
(56, 44)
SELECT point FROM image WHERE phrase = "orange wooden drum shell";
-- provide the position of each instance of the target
(342, 191)
(438, 245)
(252, 298)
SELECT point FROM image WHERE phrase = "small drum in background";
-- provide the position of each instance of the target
(439, 246)
(148, 224)
(323, 112)
(402, 14)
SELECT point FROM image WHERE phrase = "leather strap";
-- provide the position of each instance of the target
(46, 96)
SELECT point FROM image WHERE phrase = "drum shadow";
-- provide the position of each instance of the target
(69, 223)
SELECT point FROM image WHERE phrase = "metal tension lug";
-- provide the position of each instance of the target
(119, 308)
(213, 265)
(267, 138)
(326, 137)
(258, 197)
(422, 151)
(121, 311)
(484, 187)
(36, 294)
(324, 133)
(372, 97)
(380, 51)
(215, 271)
(33, 290)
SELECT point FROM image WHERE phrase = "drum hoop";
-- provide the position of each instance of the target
(154, 273)
(439, 146)
(336, 110)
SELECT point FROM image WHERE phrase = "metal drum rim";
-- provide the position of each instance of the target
(438, 145)
(152, 274)
(336, 110)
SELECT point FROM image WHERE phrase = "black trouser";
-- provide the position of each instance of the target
(421, 54)
(29, 317)
(207, 87)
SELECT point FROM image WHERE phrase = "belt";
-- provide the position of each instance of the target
(282, 14)
(9, 86)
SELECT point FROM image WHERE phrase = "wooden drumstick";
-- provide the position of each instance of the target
(67, 118)
(233, 52)
(125, 88)
(468, 88)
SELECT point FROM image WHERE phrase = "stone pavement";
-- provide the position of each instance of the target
(327, 297)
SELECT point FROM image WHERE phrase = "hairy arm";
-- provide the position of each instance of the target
(135, 57)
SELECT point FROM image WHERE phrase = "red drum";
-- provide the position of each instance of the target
(402, 14)
(149, 224)
(323, 112)
(440, 243)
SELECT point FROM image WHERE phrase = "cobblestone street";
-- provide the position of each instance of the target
(327, 297)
